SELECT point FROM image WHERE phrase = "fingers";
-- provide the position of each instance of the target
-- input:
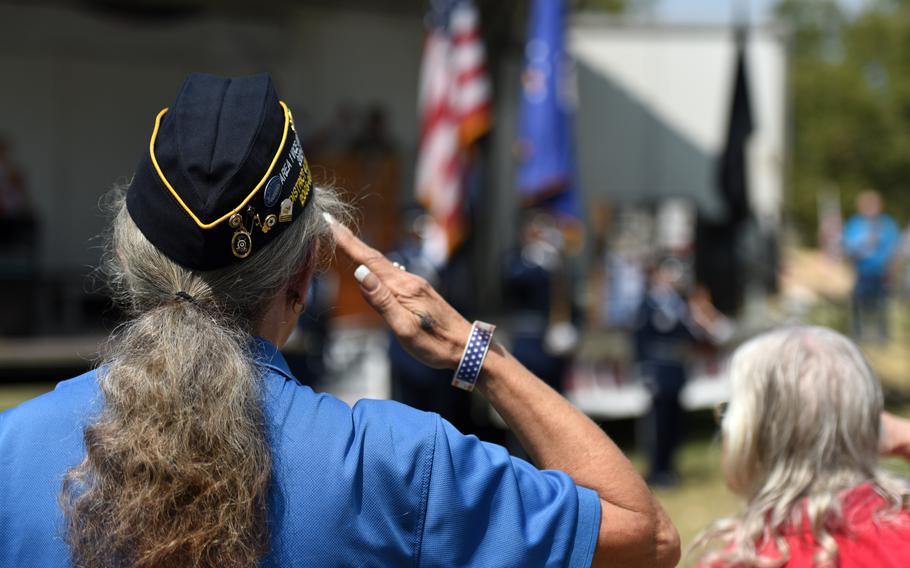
(891, 433)
(890, 428)
(359, 251)
(383, 301)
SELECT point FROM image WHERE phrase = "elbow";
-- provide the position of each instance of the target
(658, 541)
(667, 548)
(643, 541)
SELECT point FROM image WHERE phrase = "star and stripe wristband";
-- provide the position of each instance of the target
(474, 354)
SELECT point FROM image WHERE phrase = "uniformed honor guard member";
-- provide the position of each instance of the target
(192, 444)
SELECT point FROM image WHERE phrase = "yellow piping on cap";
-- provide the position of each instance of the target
(284, 137)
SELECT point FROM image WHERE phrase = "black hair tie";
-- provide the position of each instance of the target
(181, 295)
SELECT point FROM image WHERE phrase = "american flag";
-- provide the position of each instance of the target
(454, 111)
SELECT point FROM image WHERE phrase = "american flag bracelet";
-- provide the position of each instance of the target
(474, 353)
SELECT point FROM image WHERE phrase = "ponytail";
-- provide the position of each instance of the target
(177, 463)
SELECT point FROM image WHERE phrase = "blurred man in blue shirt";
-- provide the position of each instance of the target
(870, 240)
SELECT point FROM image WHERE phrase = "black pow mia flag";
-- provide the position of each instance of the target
(717, 262)
(732, 171)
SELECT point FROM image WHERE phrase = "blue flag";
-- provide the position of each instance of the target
(546, 158)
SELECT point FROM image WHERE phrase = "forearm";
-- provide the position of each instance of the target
(635, 530)
(559, 436)
(903, 450)
(896, 436)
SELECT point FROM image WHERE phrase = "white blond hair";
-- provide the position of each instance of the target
(802, 427)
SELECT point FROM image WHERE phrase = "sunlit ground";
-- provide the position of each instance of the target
(13, 394)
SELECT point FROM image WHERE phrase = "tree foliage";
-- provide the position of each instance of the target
(850, 81)
(616, 6)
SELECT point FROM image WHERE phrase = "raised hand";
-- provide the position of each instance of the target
(895, 436)
(426, 325)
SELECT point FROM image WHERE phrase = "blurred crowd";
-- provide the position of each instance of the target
(639, 297)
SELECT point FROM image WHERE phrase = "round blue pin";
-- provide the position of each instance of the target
(272, 191)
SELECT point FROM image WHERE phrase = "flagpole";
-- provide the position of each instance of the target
(742, 14)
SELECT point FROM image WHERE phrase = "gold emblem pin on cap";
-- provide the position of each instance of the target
(241, 244)
(269, 222)
(287, 211)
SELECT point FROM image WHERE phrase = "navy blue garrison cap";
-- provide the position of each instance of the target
(224, 173)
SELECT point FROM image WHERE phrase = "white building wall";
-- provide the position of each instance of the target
(664, 124)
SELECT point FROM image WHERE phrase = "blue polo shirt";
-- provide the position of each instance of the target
(379, 484)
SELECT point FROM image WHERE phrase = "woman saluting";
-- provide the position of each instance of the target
(192, 444)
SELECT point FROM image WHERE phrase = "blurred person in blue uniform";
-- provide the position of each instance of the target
(538, 300)
(668, 326)
(538, 297)
(870, 241)
(625, 288)
(192, 443)
(414, 383)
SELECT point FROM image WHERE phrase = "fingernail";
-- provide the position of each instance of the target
(366, 278)
(328, 217)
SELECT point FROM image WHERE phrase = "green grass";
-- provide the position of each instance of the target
(12, 394)
(702, 496)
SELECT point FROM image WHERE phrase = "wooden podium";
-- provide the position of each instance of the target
(371, 185)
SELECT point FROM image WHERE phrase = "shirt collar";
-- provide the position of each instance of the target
(267, 355)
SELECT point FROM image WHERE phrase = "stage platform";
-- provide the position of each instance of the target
(47, 358)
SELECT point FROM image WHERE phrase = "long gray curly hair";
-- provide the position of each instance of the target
(177, 463)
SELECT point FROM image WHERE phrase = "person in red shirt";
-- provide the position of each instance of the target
(802, 436)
